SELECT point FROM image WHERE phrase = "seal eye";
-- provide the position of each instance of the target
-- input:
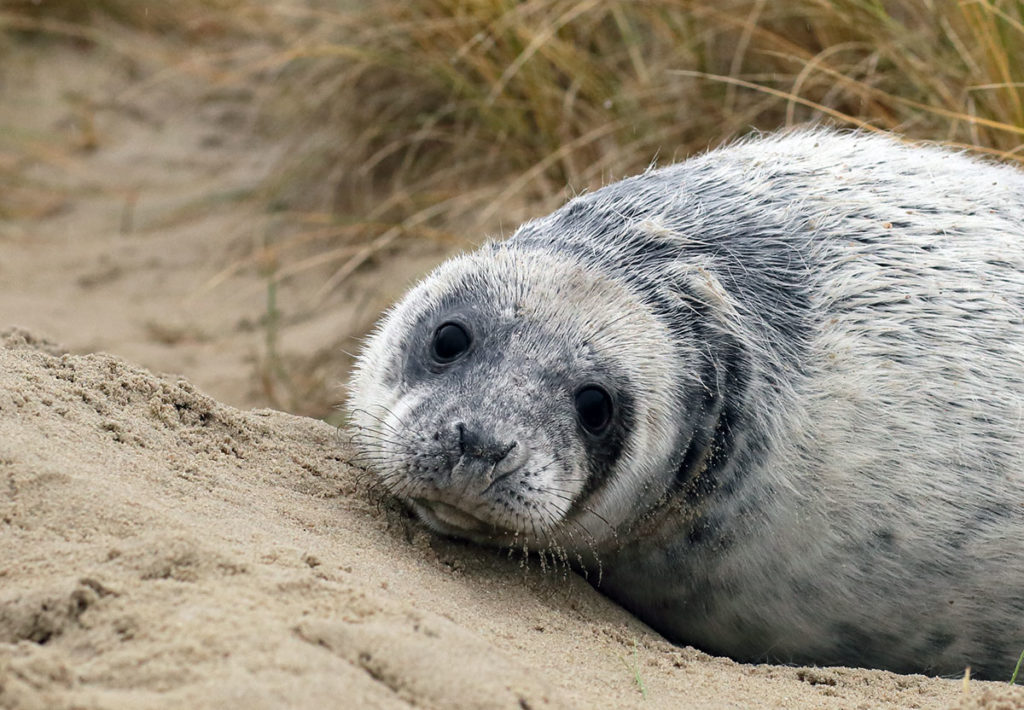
(594, 408)
(450, 342)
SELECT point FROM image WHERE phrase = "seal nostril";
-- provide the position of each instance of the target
(481, 445)
(508, 449)
(460, 429)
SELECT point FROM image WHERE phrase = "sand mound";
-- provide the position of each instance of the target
(159, 549)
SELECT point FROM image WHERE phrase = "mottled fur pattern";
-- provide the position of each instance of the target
(815, 346)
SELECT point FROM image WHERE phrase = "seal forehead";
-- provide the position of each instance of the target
(546, 303)
(582, 304)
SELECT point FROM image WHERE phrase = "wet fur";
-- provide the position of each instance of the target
(818, 339)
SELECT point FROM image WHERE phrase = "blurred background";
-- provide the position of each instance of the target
(233, 190)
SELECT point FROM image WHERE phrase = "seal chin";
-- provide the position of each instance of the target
(451, 520)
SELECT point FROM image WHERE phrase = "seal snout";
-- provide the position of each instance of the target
(482, 452)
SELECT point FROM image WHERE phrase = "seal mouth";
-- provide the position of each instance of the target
(449, 517)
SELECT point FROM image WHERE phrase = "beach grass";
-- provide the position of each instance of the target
(434, 116)
(463, 117)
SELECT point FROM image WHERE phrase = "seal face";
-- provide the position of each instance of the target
(478, 410)
(775, 392)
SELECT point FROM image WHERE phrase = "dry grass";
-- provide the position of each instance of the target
(439, 119)
(547, 93)
(456, 113)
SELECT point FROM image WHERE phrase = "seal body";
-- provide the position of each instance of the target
(770, 398)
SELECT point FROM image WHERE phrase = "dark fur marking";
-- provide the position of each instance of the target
(604, 452)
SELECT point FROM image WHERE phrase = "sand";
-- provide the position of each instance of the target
(161, 548)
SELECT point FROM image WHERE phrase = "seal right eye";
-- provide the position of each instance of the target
(594, 408)
(451, 341)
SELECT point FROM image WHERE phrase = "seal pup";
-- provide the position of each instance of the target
(775, 393)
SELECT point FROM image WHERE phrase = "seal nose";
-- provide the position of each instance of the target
(480, 446)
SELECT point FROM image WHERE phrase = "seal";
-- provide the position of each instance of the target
(773, 394)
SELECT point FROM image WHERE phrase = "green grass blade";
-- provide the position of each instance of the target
(1013, 678)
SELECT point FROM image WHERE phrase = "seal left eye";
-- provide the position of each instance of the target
(450, 342)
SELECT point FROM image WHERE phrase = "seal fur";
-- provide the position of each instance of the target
(813, 348)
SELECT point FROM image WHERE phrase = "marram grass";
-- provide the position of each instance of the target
(436, 119)
(542, 94)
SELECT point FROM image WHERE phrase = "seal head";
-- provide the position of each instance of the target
(494, 425)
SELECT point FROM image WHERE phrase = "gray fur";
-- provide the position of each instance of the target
(815, 343)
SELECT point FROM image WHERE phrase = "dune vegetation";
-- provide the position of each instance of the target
(409, 118)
